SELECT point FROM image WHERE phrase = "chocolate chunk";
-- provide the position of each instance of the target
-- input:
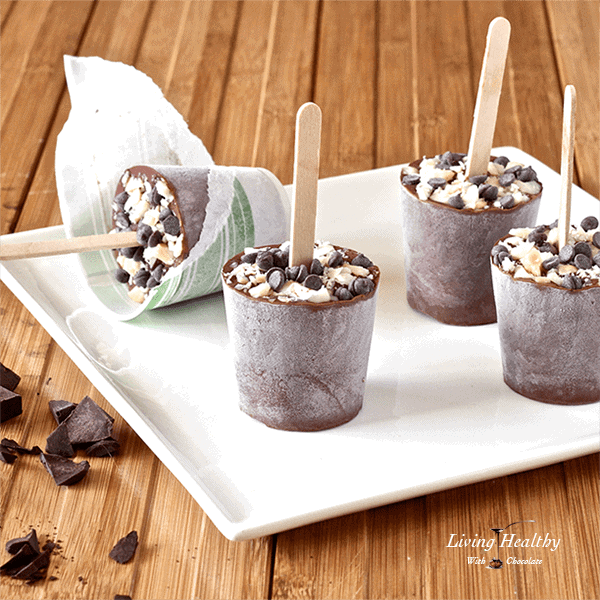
(6, 456)
(121, 275)
(31, 540)
(124, 549)
(61, 409)
(138, 255)
(63, 470)
(276, 278)
(24, 556)
(39, 563)
(362, 285)
(488, 192)
(121, 597)
(316, 268)
(88, 423)
(264, 260)
(249, 258)
(566, 254)
(313, 282)
(336, 259)
(506, 179)
(411, 179)
(527, 174)
(478, 179)
(58, 442)
(155, 239)
(537, 237)
(437, 182)
(596, 239)
(171, 225)
(360, 260)
(141, 278)
(122, 221)
(583, 262)
(589, 223)
(129, 252)
(456, 201)
(501, 160)
(155, 197)
(343, 293)
(551, 263)
(121, 199)
(143, 234)
(507, 201)
(10, 404)
(583, 248)
(15, 447)
(8, 379)
(107, 447)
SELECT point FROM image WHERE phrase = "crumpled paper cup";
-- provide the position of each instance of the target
(107, 133)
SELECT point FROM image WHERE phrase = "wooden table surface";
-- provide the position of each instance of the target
(395, 81)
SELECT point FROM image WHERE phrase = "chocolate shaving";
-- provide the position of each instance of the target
(124, 549)
(63, 470)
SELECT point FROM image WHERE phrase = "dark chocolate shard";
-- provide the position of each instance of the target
(107, 447)
(39, 563)
(13, 546)
(13, 446)
(61, 409)
(124, 549)
(63, 470)
(8, 379)
(58, 442)
(6, 456)
(20, 559)
(10, 404)
(122, 597)
(88, 423)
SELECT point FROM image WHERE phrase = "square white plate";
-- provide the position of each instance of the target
(437, 413)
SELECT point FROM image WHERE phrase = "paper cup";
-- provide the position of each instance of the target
(300, 366)
(446, 256)
(549, 339)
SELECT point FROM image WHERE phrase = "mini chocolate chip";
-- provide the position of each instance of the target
(551, 263)
(507, 201)
(501, 160)
(362, 285)
(488, 192)
(343, 293)
(596, 239)
(546, 247)
(411, 179)
(582, 261)
(537, 237)
(280, 259)
(498, 248)
(121, 275)
(138, 255)
(456, 201)
(566, 254)
(155, 239)
(506, 179)
(437, 182)
(121, 198)
(336, 259)
(122, 221)
(316, 268)
(361, 260)
(313, 282)
(171, 225)
(583, 248)
(151, 283)
(155, 197)
(143, 234)
(477, 179)
(249, 258)
(276, 278)
(128, 252)
(158, 272)
(527, 174)
(291, 273)
(264, 260)
(164, 214)
(302, 274)
(588, 223)
(141, 278)
(572, 282)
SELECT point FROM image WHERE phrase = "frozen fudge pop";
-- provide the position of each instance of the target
(548, 304)
(450, 223)
(301, 336)
(185, 219)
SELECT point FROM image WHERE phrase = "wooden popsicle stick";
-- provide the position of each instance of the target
(566, 165)
(88, 243)
(488, 97)
(305, 184)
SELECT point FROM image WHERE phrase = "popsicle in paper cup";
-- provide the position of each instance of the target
(106, 140)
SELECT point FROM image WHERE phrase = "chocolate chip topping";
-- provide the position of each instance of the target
(316, 268)
(143, 234)
(313, 282)
(456, 201)
(276, 278)
(336, 259)
(436, 182)
(411, 179)
(501, 160)
(362, 261)
(264, 260)
(589, 223)
(477, 179)
(171, 225)
(507, 201)
(527, 174)
(566, 254)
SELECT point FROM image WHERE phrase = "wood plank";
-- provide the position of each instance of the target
(289, 85)
(574, 28)
(345, 86)
(44, 83)
(6, 7)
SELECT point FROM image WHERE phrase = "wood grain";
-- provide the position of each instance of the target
(395, 80)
